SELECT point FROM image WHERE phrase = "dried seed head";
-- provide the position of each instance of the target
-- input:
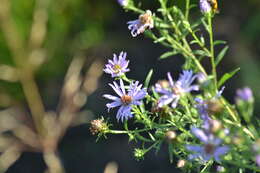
(98, 126)
(146, 18)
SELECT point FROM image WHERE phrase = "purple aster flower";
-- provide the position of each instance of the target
(123, 2)
(257, 160)
(211, 147)
(133, 96)
(140, 25)
(205, 6)
(244, 94)
(117, 66)
(175, 90)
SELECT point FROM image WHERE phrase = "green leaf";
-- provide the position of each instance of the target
(201, 53)
(221, 55)
(168, 54)
(159, 39)
(194, 42)
(148, 78)
(217, 42)
(227, 76)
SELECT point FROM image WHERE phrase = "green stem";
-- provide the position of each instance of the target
(206, 166)
(148, 149)
(212, 57)
(187, 9)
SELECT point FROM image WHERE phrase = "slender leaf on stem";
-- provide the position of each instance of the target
(168, 54)
(217, 42)
(201, 53)
(227, 76)
(221, 55)
(148, 78)
(159, 39)
(170, 150)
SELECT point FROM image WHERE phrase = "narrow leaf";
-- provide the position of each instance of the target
(168, 54)
(221, 55)
(159, 39)
(227, 76)
(148, 78)
(200, 53)
(217, 42)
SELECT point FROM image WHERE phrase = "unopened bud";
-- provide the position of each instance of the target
(215, 125)
(163, 83)
(139, 153)
(244, 94)
(220, 168)
(181, 163)
(214, 106)
(170, 135)
(237, 140)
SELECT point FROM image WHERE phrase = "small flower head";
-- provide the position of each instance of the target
(123, 2)
(118, 66)
(144, 22)
(173, 93)
(98, 126)
(133, 96)
(244, 94)
(205, 6)
(211, 147)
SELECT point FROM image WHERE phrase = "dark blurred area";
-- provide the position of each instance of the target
(98, 29)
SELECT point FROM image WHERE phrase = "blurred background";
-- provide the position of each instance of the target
(60, 30)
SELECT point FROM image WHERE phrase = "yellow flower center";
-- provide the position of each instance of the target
(117, 68)
(177, 90)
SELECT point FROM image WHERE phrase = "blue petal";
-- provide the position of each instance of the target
(200, 134)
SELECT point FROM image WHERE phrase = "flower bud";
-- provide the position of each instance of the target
(244, 94)
(220, 168)
(170, 136)
(205, 6)
(257, 160)
(214, 106)
(123, 2)
(139, 153)
(215, 125)
(181, 163)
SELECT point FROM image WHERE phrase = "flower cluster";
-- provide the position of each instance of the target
(126, 99)
(189, 113)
